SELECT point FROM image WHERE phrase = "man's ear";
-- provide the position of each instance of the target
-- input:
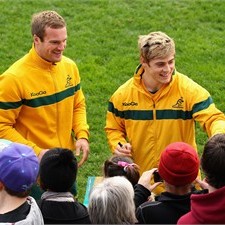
(36, 39)
(142, 60)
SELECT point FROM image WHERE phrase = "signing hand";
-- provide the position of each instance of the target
(123, 150)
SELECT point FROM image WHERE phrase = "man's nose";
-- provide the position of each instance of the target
(62, 46)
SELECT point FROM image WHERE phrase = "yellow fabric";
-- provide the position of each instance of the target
(149, 137)
(57, 104)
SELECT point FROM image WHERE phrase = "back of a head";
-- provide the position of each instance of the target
(58, 170)
(155, 45)
(179, 164)
(18, 168)
(112, 202)
(213, 161)
(42, 20)
(122, 166)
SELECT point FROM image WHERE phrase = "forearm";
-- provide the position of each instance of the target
(212, 120)
(141, 194)
(115, 131)
(10, 133)
(217, 127)
(80, 126)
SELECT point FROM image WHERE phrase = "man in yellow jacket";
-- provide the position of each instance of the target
(41, 101)
(158, 106)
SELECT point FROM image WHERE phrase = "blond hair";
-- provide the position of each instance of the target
(155, 45)
(42, 20)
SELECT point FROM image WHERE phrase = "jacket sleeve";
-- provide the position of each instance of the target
(141, 194)
(115, 129)
(80, 126)
(211, 119)
(205, 112)
(10, 106)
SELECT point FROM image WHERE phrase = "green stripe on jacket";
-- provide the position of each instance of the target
(160, 114)
(47, 100)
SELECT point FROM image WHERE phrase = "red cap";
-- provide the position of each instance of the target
(179, 164)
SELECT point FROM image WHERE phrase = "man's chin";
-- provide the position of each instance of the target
(55, 60)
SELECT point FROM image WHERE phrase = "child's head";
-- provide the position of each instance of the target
(213, 161)
(18, 168)
(122, 166)
(58, 170)
(179, 164)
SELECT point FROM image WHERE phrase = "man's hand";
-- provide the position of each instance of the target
(123, 150)
(82, 145)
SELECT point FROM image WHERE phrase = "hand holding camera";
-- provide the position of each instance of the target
(157, 177)
(146, 178)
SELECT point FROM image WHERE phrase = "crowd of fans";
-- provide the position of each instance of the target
(123, 195)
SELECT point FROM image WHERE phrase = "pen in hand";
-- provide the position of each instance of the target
(124, 149)
(120, 144)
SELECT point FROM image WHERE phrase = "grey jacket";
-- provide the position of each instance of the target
(33, 218)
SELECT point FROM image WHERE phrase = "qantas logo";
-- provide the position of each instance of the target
(129, 103)
(179, 103)
(32, 94)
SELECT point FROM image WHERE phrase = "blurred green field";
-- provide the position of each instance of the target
(102, 40)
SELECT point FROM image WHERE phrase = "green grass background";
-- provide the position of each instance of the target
(102, 40)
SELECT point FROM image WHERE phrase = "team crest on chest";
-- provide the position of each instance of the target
(68, 81)
(179, 103)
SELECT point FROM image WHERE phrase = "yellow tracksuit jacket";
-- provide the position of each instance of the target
(42, 103)
(152, 121)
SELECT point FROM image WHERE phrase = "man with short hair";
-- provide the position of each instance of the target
(18, 172)
(42, 103)
(158, 106)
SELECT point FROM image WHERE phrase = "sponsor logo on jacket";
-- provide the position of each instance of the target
(32, 94)
(129, 103)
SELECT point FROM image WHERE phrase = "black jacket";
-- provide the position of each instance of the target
(63, 212)
(167, 209)
(141, 194)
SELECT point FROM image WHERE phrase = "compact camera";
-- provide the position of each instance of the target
(157, 177)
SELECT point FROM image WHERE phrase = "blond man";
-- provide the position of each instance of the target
(158, 106)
